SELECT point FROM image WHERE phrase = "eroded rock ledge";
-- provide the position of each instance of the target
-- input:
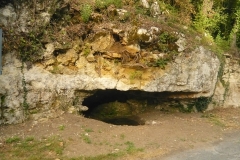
(103, 55)
(190, 75)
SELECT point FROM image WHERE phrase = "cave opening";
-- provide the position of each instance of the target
(120, 107)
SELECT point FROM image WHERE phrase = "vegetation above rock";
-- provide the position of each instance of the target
(216, 22)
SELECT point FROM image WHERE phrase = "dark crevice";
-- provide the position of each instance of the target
(116, 37)
(112, 96)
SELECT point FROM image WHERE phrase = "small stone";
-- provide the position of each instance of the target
(155, 10)
(154, 122)
(90, 58)
(144, 3)
(181, 43)
(61, 144)
(48, 144)
(133, 49)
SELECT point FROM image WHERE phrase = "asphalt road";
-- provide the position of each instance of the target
(227, 149)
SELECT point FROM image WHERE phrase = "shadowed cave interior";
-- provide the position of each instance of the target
(121, 107)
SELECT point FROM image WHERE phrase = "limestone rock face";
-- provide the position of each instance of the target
(7, 14)
(108, 56)
(193, 72)
(69, 58)
(227, 92)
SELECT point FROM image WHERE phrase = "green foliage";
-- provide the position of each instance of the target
(88, 130)
(202, 103)
(185, 10)
(184, 109)
(136, 75)
(124, 17)
(86, 138)
(141, 10)
(214, 119)
(166, 38)
(2, 99)
(131, 147)
(55, 69)
(61, 127)
(86, 12)
(209, 24)
(31, 149)
(30, 47)
(122, 136)
(222, 42)
(101, 4)
(161, 63)
(13, 139)
(166, 42)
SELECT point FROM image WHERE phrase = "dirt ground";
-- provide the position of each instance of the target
(162, 134)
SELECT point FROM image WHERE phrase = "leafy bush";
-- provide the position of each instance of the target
(222, 42)
(161, 63)
(202, 103)
(86, 12)
(100, 4)
(210, 23)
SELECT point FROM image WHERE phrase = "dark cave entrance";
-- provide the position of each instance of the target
(120, 107)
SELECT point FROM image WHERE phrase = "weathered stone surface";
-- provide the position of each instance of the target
(48, 54)
(90, 58)
(154, 9)
(107, 61)
(197, 73)
(181, 43)
(133, 49)
(112, 55)
(69, 58)
(227, 94)
(102, 41)
(7, 14)
(144, 3)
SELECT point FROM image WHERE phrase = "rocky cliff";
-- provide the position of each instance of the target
(77, 58)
